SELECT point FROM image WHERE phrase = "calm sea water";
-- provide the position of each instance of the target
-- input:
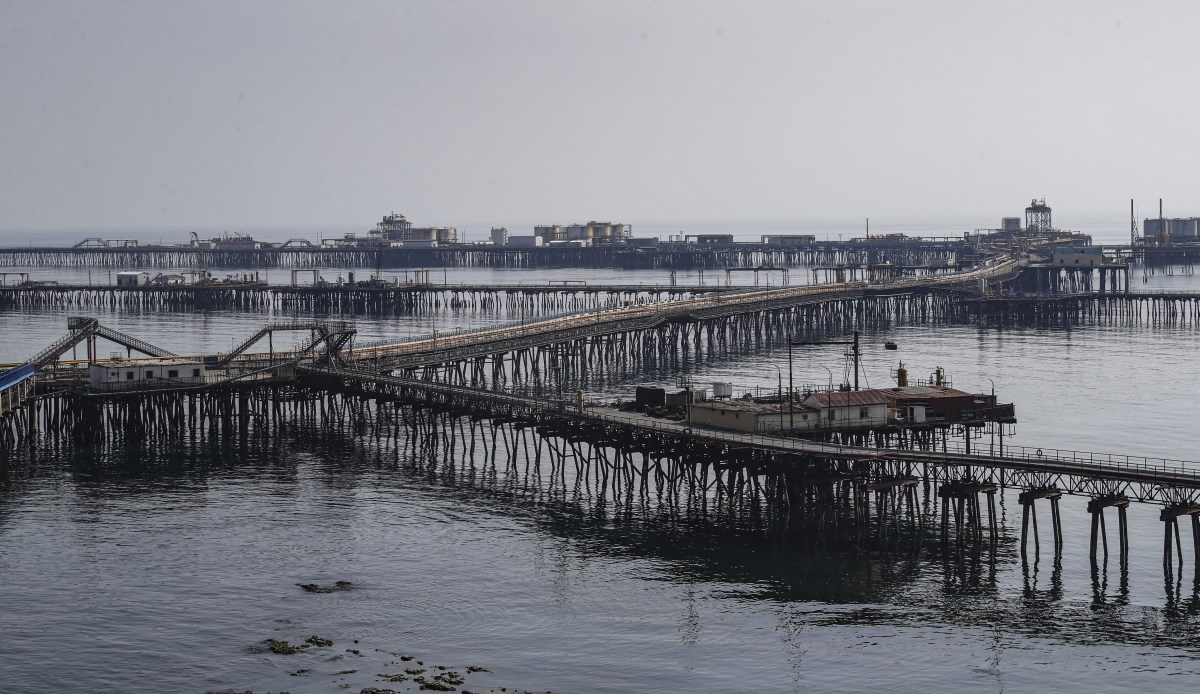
(163, 572)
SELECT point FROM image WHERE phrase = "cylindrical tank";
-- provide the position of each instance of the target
(722, 390)
(901, 376)
(351, 275)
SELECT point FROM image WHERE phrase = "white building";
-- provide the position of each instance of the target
(1085, 256)
(133, 279)
(849, 408)
(134, 371)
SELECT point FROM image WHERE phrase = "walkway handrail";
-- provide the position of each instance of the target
(1124, 468)
(131, 342)
(270, 328)
(557, 329)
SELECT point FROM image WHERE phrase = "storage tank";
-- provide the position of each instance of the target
(722, 390)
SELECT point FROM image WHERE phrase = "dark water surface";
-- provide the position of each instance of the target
(152, 570)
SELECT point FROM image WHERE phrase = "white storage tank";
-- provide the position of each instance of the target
(722, 390)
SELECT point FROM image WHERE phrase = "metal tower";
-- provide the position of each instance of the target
(1037, 217)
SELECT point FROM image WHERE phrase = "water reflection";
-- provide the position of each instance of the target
(902, 576)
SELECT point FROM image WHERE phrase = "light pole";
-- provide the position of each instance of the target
(791, 389)
(779, 374)
(854, 345)
(830, 375)
(827, 369)
(992, 422)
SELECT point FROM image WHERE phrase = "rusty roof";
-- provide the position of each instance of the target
(749, 406)
(849, 398)
(880, 396)
(925, 392)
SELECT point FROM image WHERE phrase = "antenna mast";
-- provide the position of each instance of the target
(1132, 226)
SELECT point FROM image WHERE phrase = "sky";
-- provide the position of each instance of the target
(255, 113)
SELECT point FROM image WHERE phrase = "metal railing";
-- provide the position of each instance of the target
(131, 342)
(1178, 473)
(570, 324)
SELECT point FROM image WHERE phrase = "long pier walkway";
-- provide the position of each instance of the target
(1108, 480)
(640, 317)
(352, 298)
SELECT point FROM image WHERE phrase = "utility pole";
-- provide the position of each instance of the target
(1132, 227)
(791, 391)
(780, 397)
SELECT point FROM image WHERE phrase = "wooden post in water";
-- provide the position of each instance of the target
(1057, 519)
(1037, 546)
(1024, 526)
(1124, 531)
(991, 500)
(1167, 542)
(1196, 539)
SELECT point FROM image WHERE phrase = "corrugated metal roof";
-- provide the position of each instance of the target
(848, 398)
(880, 396)
(751, 407)
(925, 392)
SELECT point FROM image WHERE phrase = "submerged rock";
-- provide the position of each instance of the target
(318, 641)
(283, 647)
(317, 588)
(436, 684)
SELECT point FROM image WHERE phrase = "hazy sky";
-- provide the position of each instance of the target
(248, 113)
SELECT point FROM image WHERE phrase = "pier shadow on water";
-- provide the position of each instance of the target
(810, 573)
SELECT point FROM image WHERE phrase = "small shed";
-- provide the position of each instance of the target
(650, 396)
(685, 397)
(850, 408)
(165, 280)
(133, 279)
(1085, 256)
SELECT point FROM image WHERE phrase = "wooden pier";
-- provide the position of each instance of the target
(366, 298)
(662, 256)
(428, 393)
